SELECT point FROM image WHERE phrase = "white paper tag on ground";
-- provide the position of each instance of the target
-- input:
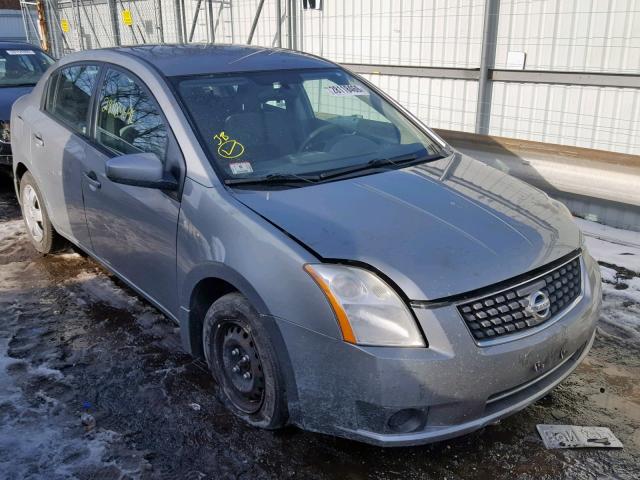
(239, 168)
(571, 436)
(20, 52)
(345, 90)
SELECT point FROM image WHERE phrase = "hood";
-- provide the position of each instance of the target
(437, 229)
(8, 95)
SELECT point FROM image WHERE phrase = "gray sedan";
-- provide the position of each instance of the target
(337, 265)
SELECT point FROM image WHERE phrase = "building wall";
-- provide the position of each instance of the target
(11, 26)
(594, 36)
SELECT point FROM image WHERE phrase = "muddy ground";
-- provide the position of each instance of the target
(73, 340)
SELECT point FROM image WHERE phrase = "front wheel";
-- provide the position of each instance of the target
(242, 359)
(39, 228)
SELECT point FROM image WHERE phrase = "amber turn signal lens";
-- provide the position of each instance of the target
(341, 316)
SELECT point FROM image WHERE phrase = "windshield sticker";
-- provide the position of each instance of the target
(118, 110)
(227, 147)
(238, 168)
(346, 90)
(20, 52)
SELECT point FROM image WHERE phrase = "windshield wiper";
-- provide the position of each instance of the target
(273, 179)
(380, 162)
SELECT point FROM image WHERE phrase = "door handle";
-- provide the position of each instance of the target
(92, 180)
(38, 139)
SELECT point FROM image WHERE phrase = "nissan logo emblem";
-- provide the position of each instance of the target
(539, 304)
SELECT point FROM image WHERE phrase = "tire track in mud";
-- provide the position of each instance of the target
(73, 340)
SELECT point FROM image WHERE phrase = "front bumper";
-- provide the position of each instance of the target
(454, 386)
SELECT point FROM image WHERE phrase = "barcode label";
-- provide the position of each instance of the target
(345, 90)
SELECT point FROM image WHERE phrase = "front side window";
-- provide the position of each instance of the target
(69, 95)
(22, 66)
(288, 122)
(129, 119)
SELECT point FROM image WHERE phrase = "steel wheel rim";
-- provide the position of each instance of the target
(32, 213)
(239, 362)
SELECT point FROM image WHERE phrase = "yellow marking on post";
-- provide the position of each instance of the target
(64, 25)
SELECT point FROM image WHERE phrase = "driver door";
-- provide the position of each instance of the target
(132, 229)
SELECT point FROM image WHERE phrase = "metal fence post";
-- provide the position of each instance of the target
(279, 24)
(487, 59)
(42, 24)
(183, 17)
(113, 13)
(290, 24)
(178, 13)
(212, 30)
(255, 22)
(78, 24)
(195, 21)
(294, 24)
(160, 21)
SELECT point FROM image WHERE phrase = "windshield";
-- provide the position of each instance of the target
(22, 66)
(297, 123)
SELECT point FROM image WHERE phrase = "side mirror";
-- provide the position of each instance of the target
(140, 170)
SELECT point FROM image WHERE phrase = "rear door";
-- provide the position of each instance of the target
(58, 140)
(133, 229)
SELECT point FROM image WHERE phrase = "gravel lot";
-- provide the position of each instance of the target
(74, 341)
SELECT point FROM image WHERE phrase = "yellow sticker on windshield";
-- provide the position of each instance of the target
(227, 147)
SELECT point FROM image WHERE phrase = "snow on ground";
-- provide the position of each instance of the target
(612, 245)
(30, 435)
(619, 250)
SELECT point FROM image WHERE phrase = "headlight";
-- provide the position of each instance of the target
(368, 311)
(5, 133)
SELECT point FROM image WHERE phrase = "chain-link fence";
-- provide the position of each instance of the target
(556, 71)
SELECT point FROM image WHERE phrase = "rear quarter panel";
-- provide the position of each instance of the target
(20, 131)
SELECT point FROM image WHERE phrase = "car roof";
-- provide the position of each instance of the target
(19, 45)
(196, 59)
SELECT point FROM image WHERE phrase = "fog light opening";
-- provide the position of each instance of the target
(406, 421)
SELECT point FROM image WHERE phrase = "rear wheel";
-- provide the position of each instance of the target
(39, 228)
(242, 359)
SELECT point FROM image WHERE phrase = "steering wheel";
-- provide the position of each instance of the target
(321, 130)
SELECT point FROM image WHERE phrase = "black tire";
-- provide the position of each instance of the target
(232, 324)
(50, 241)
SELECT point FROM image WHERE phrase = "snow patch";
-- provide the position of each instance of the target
(612, 245)
(95, 286)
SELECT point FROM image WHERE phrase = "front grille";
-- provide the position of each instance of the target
(505, 313)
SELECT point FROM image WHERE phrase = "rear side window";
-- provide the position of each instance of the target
(129, 119)
(69, 95)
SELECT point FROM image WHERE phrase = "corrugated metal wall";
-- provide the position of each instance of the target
(555, 35)
(403, 32)
(603, 118)
(12, 26)
(571, 35)
(440, 103)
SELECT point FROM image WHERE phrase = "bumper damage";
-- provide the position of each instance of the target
(409, 396)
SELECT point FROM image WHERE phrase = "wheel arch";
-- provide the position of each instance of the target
(211, 282)
(204, 286)
(19, 172)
